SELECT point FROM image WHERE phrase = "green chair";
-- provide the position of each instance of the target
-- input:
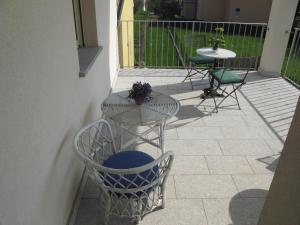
(228, 76)
(197, 64)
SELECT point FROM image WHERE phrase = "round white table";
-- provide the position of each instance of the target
(220, 53)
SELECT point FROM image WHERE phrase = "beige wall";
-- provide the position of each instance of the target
(126, 35)
(254, 11)
(282, 205)
(43, 103)
(211, 10)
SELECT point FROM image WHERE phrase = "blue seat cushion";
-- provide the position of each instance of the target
(127, 160)
(229, 77)
(201, 59)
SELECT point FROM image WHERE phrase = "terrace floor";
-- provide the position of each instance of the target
(224, 162)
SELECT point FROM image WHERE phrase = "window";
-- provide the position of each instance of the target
(78, 22)
(237, 12)
(86, 34)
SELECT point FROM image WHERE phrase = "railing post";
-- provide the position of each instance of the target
(260, 42)
(291, 50)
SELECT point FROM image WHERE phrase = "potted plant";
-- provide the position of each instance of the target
(140, 92)
(217, 40)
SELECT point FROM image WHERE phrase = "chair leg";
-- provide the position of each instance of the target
(229, 94)
(236, 98)
(188, 75)
(216, 106)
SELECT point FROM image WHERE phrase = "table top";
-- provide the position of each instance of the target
(220, 53)
(120, 108)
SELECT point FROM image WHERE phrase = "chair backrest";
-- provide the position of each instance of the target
(241, 63)
(195, 41)
(94, 143)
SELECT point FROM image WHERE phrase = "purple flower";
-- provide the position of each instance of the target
(140, 90)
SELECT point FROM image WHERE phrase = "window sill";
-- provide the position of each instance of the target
(87, 57)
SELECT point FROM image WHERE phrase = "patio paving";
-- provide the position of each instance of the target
(224, 162)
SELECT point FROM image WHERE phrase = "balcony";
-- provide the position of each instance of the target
(224, 162)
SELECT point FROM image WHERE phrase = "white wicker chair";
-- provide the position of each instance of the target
(130, 193)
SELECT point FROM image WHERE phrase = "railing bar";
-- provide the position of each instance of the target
(232, 38)
(223, 64)
(199, 27)
(193, 29)
(186, 51)
(168, 45)
(179, 41)
(139, 44)
(249, 37)
(128, 48)
(259, 45)
(156, 44)
(255, 38)
(151, 44)
(145, 43)
(173, 59)
(243, 42)
(239, 37)
(297, 57)
(162, 43)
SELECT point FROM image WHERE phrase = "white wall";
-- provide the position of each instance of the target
(277, 36)
(43, 103)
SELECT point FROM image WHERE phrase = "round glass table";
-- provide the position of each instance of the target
(152, 114)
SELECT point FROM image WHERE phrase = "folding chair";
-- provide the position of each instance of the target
(191, 43)
(226, 76)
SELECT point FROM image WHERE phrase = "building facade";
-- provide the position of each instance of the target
(256, 11)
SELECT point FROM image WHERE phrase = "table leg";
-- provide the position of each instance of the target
(210, 92)
(162, 136)
(118, 136)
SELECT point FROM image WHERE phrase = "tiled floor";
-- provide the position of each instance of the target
(224, 162)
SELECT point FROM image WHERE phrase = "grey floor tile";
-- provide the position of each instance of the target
(204, 186)
(193, 147)
(199, 133)
(220, 121)
(245, 147)
(245, 133)
(189, 165)
(228, 165)
(178, 212)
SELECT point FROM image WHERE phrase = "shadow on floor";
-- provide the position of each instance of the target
(246, 210)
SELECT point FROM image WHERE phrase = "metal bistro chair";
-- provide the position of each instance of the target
(226, 76)
(132, 183)
(191, 43)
